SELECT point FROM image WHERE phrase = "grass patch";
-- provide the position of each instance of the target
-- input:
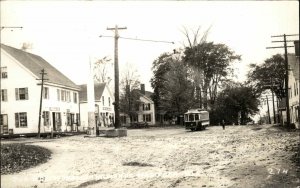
(16, 157)
(136, 164)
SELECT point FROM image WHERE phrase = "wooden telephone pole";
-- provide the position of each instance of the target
(41, 101)
(286, 72)
(117, 100)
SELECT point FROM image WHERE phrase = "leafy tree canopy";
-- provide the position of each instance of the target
(213, 61)
(234, 102)
(269, 75)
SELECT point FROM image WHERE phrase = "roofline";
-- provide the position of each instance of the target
(20, 64)
(113, 97)
(87, 101)
(147, 98)
(35, 76)
(61, 86)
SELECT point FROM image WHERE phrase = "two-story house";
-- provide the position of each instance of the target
(104, 109)
(144, 110)
(21, 92)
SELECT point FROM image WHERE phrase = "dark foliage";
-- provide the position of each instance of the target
(269, 75)
(16, 157)
(173, 91)
(235, 102)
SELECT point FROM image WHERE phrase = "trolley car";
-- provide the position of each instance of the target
(196, 119)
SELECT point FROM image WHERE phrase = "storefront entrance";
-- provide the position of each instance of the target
(3, 124)
(56, 119)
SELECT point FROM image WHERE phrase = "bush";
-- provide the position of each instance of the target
(16, 157)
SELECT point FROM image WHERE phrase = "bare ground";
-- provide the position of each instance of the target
(240, 156)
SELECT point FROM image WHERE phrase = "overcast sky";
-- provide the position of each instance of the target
(67, 33)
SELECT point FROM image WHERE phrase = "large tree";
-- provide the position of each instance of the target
(212, 63)
(269, 75)
(173, 90)
(130, 82)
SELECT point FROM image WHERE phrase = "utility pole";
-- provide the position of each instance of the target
(272, 90)
(117, 102)
(286, 72)
(274, 115)
(269, 117)
(41, 101)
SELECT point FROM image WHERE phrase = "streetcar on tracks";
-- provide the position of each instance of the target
(196, 119)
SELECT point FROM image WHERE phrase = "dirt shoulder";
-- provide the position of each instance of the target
(239, 156)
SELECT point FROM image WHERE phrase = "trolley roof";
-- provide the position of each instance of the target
(196, 111)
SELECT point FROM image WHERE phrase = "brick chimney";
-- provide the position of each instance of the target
(143, 91)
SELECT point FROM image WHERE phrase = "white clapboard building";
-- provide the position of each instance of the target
(144, 111)
(21, 91)
(104, 108)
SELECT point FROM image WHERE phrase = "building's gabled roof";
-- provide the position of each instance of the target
(294, 65)
(147, 95)
(98, 91)
(36, 63)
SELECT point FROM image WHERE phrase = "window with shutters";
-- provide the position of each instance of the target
(46, 93)
(68, 98)
(3, 94)
(69, 119)
(21, 119)
(63, 95)
(46, 117)
(3, 72)
(58, 94)
(21, 93)
(75, 97)
(146, 106)
(147, 117)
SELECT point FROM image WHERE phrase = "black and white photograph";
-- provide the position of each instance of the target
(149, 94)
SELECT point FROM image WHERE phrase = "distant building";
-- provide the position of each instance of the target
(21, 91)
(144, 111)
(104, 108)
(266, 112)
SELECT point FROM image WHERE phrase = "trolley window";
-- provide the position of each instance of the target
(196, 117)
(191, 117)
(186, 117)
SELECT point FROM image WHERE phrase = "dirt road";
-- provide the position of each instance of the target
(239, 156)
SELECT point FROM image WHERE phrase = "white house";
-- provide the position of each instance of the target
(21, 92)
(104, 109)
(144, 112)
(293, 61)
